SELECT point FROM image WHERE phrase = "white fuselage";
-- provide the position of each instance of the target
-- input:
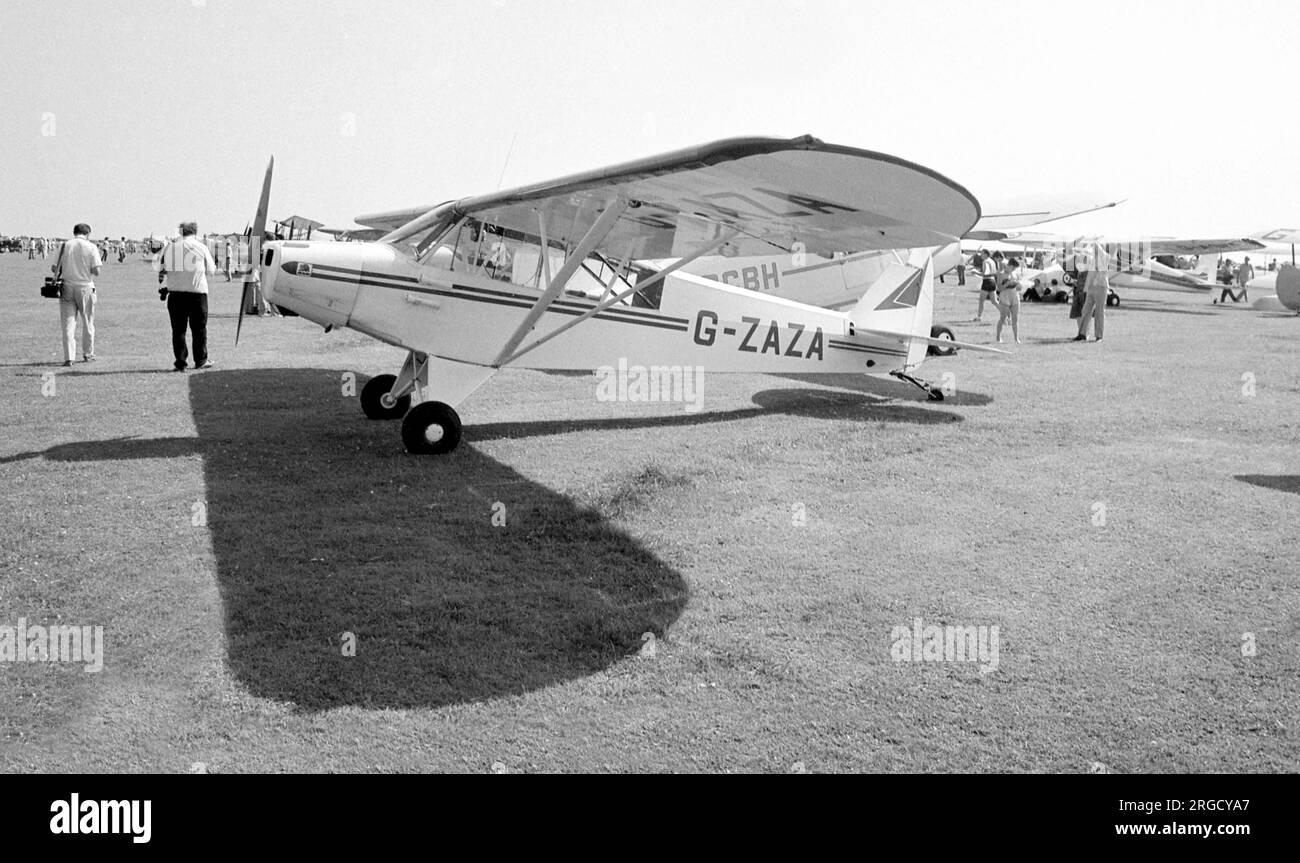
(465, 317)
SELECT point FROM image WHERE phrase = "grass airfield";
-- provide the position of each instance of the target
(1123, 511)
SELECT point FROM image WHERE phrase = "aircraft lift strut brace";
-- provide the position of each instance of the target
(577, 257)
(717, 242)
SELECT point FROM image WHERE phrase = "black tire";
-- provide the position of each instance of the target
(372, 399)
(422, 421)
(1112, 299)
(938, 332)
(1061, 297)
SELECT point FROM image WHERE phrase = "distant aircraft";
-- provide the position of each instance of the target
(296, 228)
(1149, 263)
(151, 245)
(504, 280)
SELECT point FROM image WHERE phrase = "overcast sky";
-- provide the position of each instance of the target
(135, 115)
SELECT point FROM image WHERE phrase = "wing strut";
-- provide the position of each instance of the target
(716, 243)
(585, 247)
(546, 249)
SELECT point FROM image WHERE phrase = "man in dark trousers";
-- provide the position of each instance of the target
(184, 265)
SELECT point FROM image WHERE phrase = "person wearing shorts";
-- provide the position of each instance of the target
(1008, 299)
(988, 282)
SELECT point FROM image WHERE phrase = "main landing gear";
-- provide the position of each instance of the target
(935, 394)
(429, 427)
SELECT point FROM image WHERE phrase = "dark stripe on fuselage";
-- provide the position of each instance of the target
(497, 299)
(564, 304)
(868, 349)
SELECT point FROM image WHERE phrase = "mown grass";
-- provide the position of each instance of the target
(770, 542)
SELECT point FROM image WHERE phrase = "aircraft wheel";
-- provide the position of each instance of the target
(375, 402)
(431, 428)
(937, 332)
(1112, 299)
(1061, 296)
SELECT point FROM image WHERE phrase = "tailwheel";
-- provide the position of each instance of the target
(378, 404)
(932, 392)
(431, 428)
(1112, 299)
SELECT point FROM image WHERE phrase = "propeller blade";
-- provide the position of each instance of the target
(255, 246)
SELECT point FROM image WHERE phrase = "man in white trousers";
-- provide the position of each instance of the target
(1096, 288)
(78, 264)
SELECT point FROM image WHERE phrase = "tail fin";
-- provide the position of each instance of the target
(901, 301)
(1208, 267)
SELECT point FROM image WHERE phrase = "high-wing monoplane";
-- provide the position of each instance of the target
(1155, 263)
(554, 275)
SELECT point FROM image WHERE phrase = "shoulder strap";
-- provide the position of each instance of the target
(59, 273)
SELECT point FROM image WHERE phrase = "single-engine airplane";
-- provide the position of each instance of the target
(552, 276)
(1148, 263)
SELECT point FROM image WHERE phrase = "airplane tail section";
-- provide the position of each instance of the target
(1207, 266)
(901, 301)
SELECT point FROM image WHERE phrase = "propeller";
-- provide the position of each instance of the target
(255, 246)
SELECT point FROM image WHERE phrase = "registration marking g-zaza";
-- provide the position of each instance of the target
(706, 334)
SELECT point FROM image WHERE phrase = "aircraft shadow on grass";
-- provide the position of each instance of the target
(878, 390)
(326, 535)
(1281, 482)
(802, 402)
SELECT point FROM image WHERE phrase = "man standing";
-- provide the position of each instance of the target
(228, 251)
(1096, 288)
(1244, 274)
(78, 264)
(185, 264)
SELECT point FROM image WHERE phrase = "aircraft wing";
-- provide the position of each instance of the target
(1011, 213)
(391, 220)
(1279, 236)
(1143, 247)
(1178, 246)
(792, 195)
(365, 234)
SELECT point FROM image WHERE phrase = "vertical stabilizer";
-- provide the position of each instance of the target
(901, 301)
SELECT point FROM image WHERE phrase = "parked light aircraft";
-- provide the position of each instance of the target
(510, 279)
(1133, 263)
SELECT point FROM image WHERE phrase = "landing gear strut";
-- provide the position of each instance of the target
(429, 427)
(935, 394)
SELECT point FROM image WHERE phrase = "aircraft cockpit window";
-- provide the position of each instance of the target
(506, 255)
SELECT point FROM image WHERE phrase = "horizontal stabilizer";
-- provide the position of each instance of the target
(908, 338)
